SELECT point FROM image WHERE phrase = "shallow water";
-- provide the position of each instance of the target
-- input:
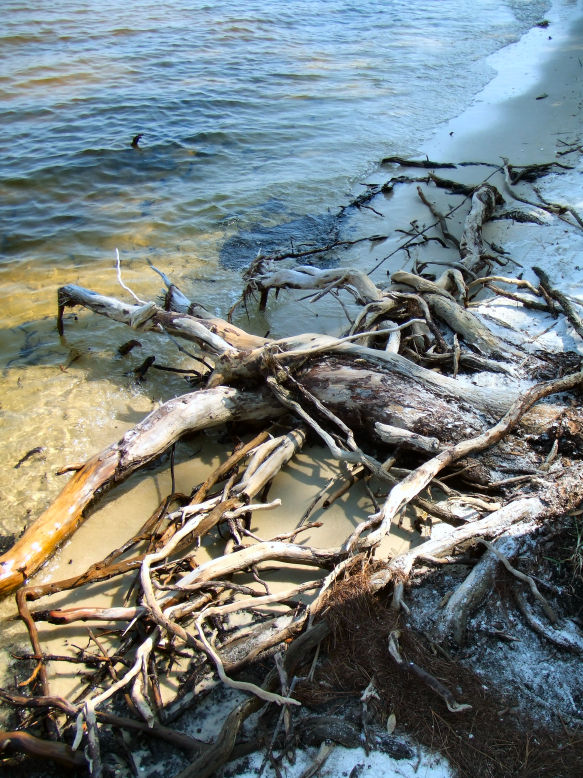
(252, 114)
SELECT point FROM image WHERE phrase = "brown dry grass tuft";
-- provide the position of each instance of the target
(492, 740)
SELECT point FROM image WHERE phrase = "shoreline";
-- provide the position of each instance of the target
(522, 121)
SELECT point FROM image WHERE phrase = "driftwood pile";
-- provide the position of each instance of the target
(387, 400)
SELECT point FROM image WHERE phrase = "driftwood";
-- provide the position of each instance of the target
(390, 421)
(145, 442)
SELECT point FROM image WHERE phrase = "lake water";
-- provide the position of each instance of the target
(253, 114)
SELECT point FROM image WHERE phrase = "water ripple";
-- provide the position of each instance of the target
(240, 105)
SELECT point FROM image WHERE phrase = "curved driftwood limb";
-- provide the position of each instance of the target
(512, 176)
(262, 469)
(307, 277)
(399, 568)
(176, 300)
(468, 360)
(217, 335)
(550, 614)
(20, 742)
(429, 680)
(518, 282)
(527, 302)
(420, 284)
(244, 686)
(461, 321)
(251, 555)
(142, 444)
(470, 328)
(559, 208)
(158, 731)
(373, 312)
(453, 281)
(567, 636)
(26, 616)
(475, 588)
(567, 306)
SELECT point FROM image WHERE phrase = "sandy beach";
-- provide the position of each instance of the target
(532, 104)
(530, 113)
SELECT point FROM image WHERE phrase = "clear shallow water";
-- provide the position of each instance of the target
(253, 113)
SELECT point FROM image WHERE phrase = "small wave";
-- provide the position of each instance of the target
(212, 138)
(20, 39)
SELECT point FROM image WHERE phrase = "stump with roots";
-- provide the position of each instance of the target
(385, 399)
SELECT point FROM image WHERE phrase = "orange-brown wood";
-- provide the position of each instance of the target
(57, 523)
(140, 445)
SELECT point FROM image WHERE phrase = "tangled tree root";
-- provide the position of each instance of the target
(386, 400)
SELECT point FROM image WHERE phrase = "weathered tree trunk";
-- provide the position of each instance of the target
(163, 427)
(365, 386)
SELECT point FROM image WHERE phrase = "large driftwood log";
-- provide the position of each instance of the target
(241, 362)
(389, 389)
(142, 444)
